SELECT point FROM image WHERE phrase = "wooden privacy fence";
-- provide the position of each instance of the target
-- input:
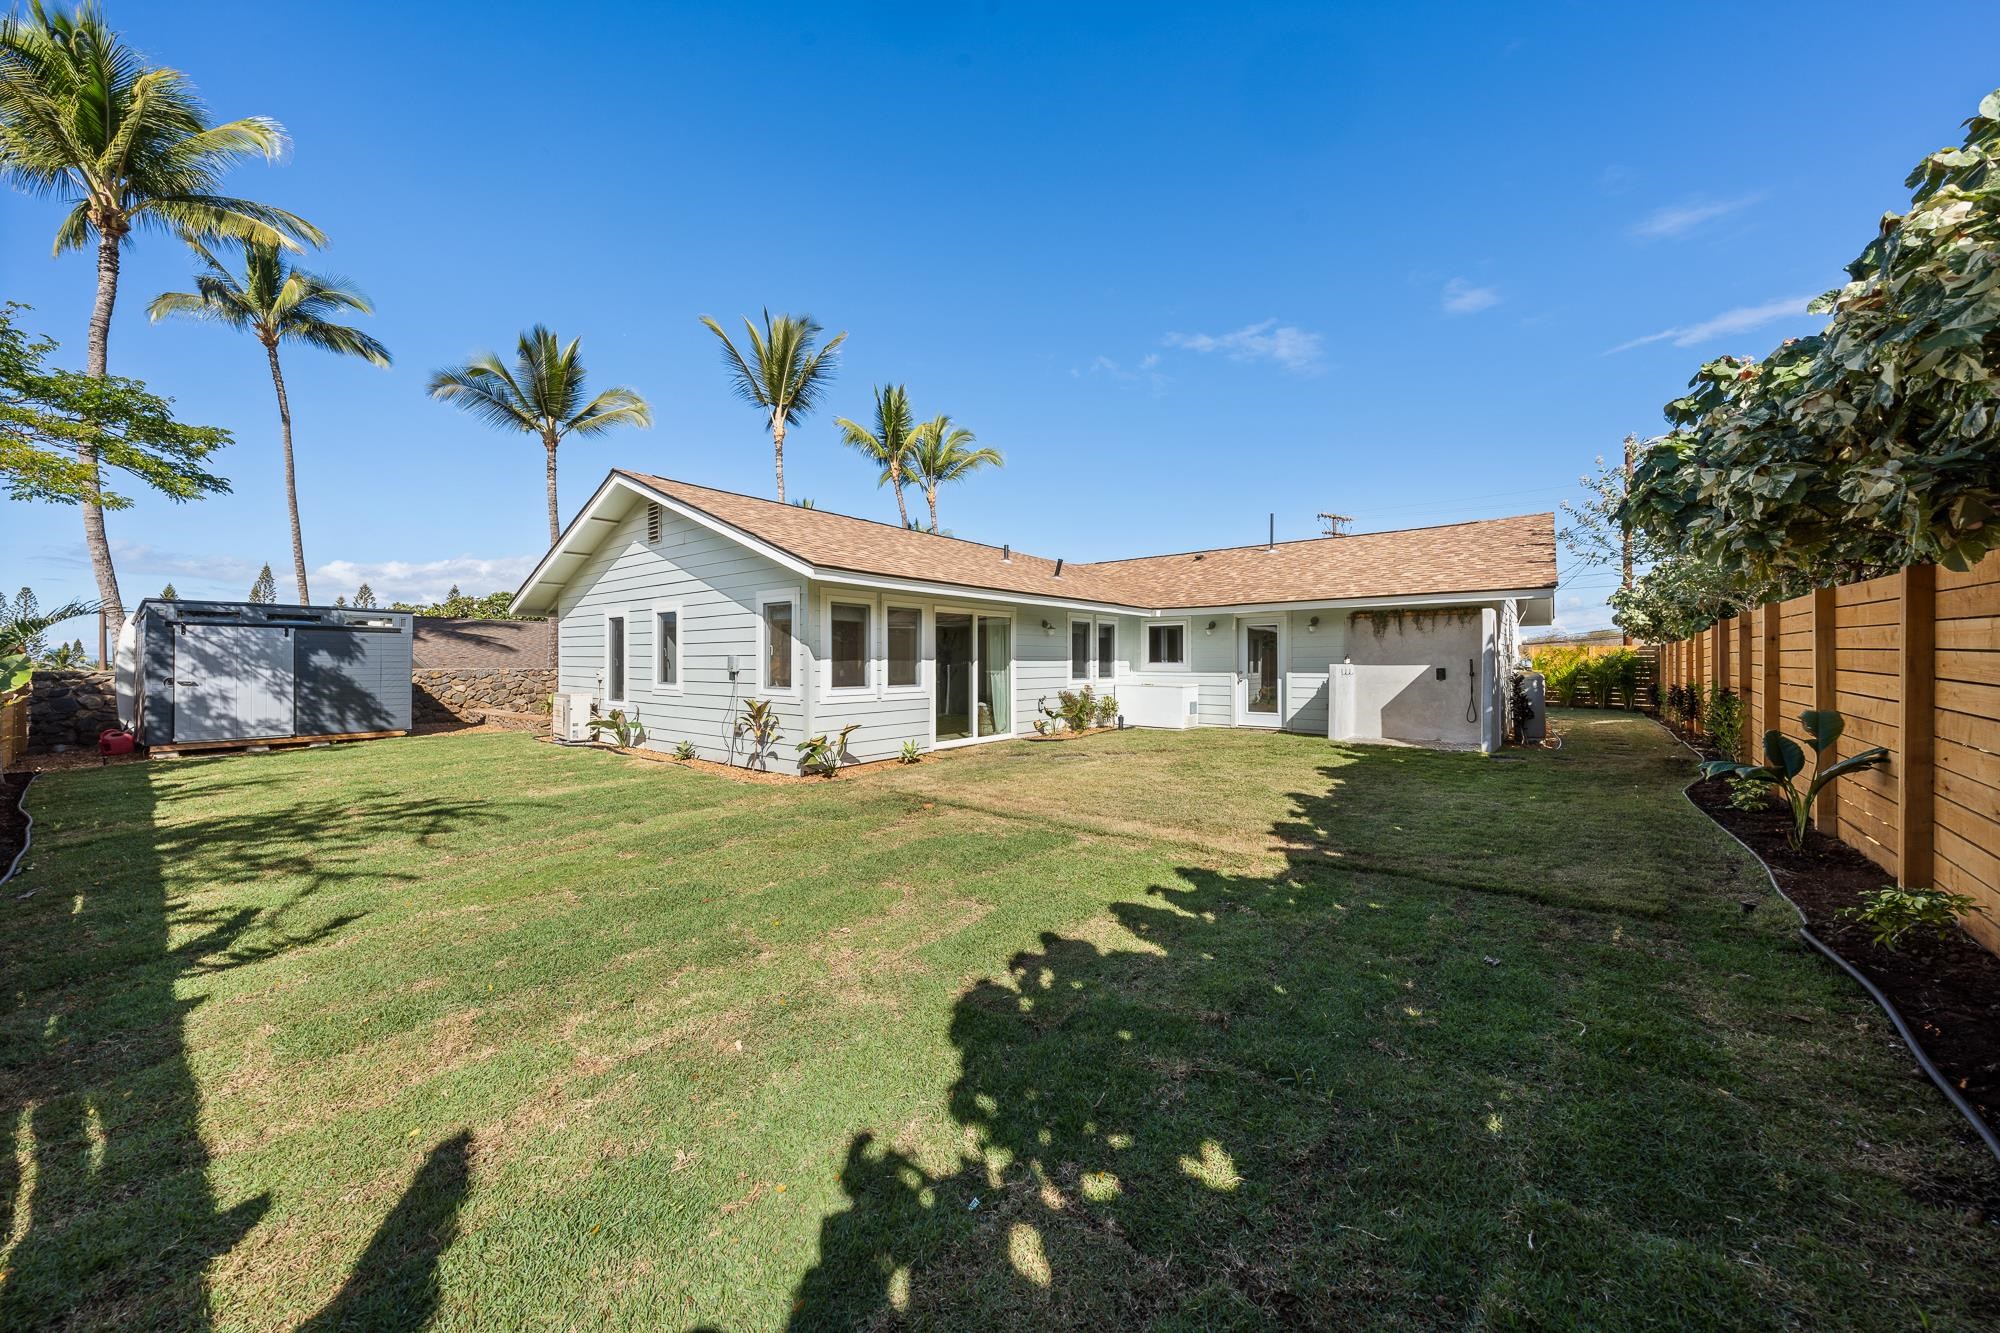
(13, 729)
(1912, 661)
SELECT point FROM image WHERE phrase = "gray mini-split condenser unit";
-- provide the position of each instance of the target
(193, 673)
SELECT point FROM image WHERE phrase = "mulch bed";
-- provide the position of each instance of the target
(1947, 989)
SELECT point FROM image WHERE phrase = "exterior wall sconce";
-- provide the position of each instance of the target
(1312, 626)
(1210, 629)
(1047, 628)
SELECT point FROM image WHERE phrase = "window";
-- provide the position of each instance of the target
(1107, 649)
(778, 641)
(1079, 650)
(667, 649)
(614, 659)
(906, 632)
(847, 646)
(1166, 645)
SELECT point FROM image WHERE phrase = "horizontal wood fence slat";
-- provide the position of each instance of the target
(1912, 661)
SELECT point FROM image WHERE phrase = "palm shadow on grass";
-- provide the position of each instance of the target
(107, 1187)
(1339, 1097)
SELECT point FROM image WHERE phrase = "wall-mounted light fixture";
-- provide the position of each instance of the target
(1210, 629)
(1312, 626)
(1047, 628)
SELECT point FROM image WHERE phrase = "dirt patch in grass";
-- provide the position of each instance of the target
(1948, 989)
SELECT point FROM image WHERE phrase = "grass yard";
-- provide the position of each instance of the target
(1192, 1031)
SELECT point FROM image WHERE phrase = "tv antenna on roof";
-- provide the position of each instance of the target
(1336, 524)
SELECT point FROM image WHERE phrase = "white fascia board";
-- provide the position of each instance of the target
(538, 576)
(1357, 603)
(716, 525)
(959, 592)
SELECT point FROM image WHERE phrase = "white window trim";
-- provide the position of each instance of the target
(1146, 646)
(1097, 644)
(623, 614)
(978, 614)
(1093, 672)
(871, 688)
(923, 685)
(764, 688)
(657, 610)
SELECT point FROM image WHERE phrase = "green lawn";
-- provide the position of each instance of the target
(1181, 1030)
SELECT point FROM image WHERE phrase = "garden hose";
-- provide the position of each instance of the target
(27, 830)
(1903, 1029)
(1471, 690)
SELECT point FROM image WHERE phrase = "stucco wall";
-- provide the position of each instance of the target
(1399, 696)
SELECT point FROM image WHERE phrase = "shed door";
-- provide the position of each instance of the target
(232, 682)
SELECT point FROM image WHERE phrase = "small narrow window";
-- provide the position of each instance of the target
(906, 629)
(848, 650)
(1165, 645)
(614, 658)
(1079, 650)
(1107, 649)
(778, 645)
(667, 639)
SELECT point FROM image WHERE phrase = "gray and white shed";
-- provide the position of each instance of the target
(194, 673)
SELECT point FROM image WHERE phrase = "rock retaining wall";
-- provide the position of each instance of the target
(67, 709)
(467, 694)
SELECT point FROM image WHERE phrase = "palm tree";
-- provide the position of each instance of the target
(888, 446)
(542, 395)
(82, 117)
(278, 303)
(941, 452)
(784, 375)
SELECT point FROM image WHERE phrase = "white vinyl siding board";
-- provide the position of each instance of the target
(1312, 650)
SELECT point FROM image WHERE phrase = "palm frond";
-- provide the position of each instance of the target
(742, 378)
(484, 388)
(337, 338)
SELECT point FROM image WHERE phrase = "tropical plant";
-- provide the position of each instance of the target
(911, 753)
(1076, 710)
(542, 395)
(1892, 912)
(60, 430)
(1872, 444)
(684, 751)
(822, 754)
(1748, 794)
(1785, 761)
(941, 452)
(888, 445)
(758, 723)
(1723, 711)
(784, 375)
(66, 657)
(277, 303)
(24, 626)
(128, 147)
(625, 732)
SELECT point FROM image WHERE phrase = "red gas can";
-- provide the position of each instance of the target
(115, 740)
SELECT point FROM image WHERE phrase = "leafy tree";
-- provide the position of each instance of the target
(265, 589)
(888, 445)
(1872, 444)
(341, 600)
(60, 429)
(364, 598)
(542, 395)
(277, 303)
(493, 606)
(167, 594)
(128, 147)
(784, 375)
(940, 453)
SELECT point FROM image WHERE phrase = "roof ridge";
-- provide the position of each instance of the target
(1333, 537)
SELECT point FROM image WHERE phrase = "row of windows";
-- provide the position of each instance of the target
(666, 653)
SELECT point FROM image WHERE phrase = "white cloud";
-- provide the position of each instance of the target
(1297, 350)
(1147, 371)
(1679, 219)
(421, 581)
(1462, 298)
(1740, 320)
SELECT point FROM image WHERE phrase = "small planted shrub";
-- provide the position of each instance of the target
(758, 724)
(1748, 794)
(1724, 710)
(1891, 912)
(1077, 710)
(685, 751)
(624, 732)
(911, 753)
(1107, 711)
(1785, 761)
(823, 754)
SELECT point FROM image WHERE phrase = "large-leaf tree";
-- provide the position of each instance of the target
(278, 303)
(128, 147)
(543, 395)
(1874, 443)
(785, 374)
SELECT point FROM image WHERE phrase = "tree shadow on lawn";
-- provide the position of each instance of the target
(106, 1183)
(1329, 1098)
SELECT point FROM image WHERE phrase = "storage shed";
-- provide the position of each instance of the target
(221, 673)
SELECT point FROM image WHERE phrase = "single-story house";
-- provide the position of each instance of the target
(677, 603)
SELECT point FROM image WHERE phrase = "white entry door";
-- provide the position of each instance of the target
(1260, 679)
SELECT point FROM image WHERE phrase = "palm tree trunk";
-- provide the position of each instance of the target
(291, 478)
(930, 493)
(896, 480)
(778, 451)
(555, 514)
(93, 512)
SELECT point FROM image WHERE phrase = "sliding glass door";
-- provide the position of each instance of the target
(975, 676)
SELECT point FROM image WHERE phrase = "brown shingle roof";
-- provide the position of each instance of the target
(448, 642)
(1489, 555)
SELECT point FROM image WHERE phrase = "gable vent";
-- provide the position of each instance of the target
(656, 518)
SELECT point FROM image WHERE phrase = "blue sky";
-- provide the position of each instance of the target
(1185, 266)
